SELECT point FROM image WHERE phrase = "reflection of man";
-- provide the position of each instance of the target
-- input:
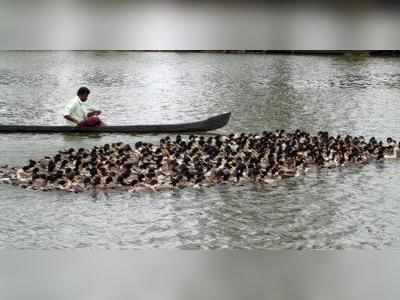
(77, 114)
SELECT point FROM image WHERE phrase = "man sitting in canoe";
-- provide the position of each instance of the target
(77, 114)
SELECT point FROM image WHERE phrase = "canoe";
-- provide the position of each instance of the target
(199, 126)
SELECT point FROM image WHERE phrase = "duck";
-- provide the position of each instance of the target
(23, 175)
(37, 184)
(395, 154)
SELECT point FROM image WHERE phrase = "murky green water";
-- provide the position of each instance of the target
(335, 209)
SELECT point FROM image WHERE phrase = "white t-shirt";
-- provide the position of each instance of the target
(76, 109)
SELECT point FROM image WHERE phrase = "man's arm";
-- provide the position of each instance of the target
(93, 113)
(71, 119)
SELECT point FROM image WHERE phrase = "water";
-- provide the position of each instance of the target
(333, 209)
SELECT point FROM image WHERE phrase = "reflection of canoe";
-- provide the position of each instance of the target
(205, 125)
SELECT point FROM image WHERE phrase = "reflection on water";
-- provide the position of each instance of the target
(335, 209)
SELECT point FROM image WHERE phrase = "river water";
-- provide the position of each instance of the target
(333, 209)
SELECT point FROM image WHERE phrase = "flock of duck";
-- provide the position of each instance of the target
(197, 161)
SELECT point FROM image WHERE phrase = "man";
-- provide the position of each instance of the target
(77, 114)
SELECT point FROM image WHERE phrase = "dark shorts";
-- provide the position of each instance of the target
(93, 121)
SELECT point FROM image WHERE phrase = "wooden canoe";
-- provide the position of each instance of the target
(205, 125)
